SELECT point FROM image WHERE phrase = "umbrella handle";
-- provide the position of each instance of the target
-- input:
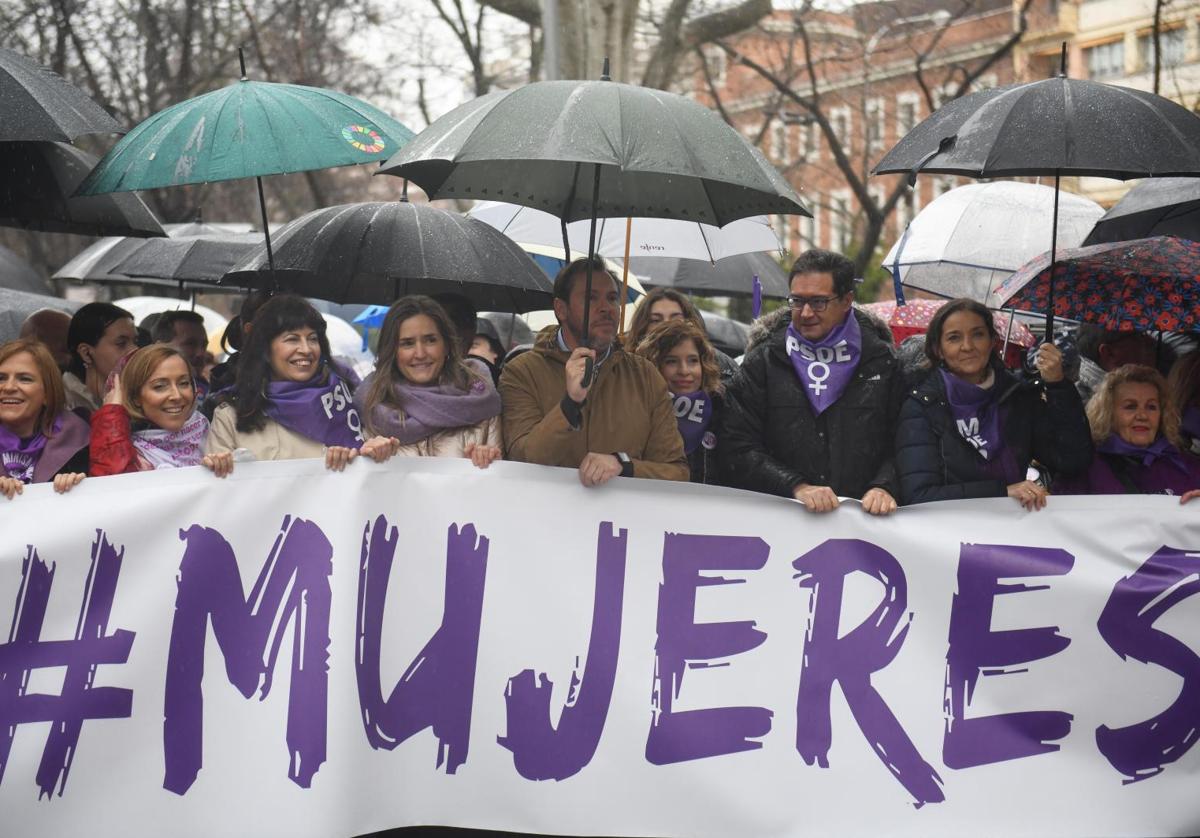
(625, 273)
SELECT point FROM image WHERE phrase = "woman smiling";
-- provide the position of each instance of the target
(40, 440)
(424, 394)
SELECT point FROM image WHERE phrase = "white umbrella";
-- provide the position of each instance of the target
(970, 239)
(648, 236)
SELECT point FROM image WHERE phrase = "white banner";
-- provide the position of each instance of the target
(297, 653)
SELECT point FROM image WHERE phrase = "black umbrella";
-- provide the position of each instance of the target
(726, 334)
(376, 252)
(198, 260)
(15, 306)
(19, 275)
(1168, 206)
(1056, 126)
(37, 182)
(38, 104)
(585, 149)
(89, 264)
(731, 275)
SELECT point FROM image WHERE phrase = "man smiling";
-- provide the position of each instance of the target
(812, 412)
(620, 425)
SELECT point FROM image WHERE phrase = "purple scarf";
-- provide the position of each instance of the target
(415, 412)
(173, 449)
(694, 413)
(826, 367)
(322, 412)
(19, 457)
(1147, 454)
(977, 420)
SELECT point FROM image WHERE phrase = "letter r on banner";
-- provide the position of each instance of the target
(292, 586)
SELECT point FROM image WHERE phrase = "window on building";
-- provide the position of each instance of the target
(907, 110)
(779, 144)
(715, 59)
(783, 229)
(839, 222)
(810, 137)
(1174, 48)
(874, 124)
(839, 119)
(1106, 61)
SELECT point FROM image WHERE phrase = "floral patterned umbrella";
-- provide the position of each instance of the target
(1140, 285)
(913, 319)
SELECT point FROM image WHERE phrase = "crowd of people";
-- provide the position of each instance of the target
(821, 408)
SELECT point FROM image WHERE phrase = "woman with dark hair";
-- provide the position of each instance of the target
(970, 429)
(424, 394)
(100, 334)
(237, 330)
(663, 304)
(680, 351)
(149, 419)
(41, 441)
(288, 402)
(1135, 425)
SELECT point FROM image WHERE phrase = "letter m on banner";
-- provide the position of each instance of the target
(292, 588)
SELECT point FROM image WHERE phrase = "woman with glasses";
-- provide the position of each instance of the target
(970, 429)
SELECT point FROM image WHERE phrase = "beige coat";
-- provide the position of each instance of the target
(273, 442)
(453, 442)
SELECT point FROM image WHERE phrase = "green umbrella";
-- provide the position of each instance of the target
(248, 129)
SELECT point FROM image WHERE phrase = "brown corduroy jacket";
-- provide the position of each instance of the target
(628, 409)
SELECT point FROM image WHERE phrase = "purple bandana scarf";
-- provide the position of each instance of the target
(694, 413)
(417, 412)
(19, 457)
(826, 367)
(1147, 454)
(173, 449)
(322, 412)
(977, 420)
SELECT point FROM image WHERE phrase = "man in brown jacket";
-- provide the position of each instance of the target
(622, 424)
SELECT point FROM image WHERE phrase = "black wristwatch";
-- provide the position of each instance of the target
(626, 463)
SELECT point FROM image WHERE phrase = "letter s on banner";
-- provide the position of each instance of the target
(695, 734)
(1127, 624)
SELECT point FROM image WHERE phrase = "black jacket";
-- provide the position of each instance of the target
(1043, 422)
(771, 441)
(703, 463)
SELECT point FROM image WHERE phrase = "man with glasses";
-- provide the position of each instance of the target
(812, 412)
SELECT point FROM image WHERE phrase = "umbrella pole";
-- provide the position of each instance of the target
(1053, 255)
(262, 206)
(625, 273)
(1012, 314)
(589, 368)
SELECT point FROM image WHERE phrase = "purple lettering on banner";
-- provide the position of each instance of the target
(1167, 578)
(851, 659)
(25, 651)
(540, 750)
(293, 585)
(975, 648)
(696, 734)
(438, 687)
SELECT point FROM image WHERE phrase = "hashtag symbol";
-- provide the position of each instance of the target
(25, 652)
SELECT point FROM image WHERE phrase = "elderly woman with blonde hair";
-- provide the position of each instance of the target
(1135, 425)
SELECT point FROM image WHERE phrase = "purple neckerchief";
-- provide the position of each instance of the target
(414, 412)
(694, 413)
(1190, 423)
(1145, 454)
(321, 411)
(19, 457)
(977, 420)
(826, 367)
(173, 449)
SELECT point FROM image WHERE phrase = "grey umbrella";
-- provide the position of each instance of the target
(376, 252)
(731, 275)
(1167, 206)
(727, 334)
(89, 264)
(185, 259)
(15, 306)
(37, 184)
(19, 275)
(38, 104)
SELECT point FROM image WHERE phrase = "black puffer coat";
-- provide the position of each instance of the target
(771, 441)
(1043, 422)
(703, 462)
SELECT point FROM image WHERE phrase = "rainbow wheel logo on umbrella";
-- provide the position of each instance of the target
(364, 138)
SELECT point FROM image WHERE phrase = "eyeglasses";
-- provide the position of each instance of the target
(817, 304)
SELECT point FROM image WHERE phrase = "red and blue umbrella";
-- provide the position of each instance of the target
(1141, 285)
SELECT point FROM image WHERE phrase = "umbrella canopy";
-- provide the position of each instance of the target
(19, 275)
(551, 259)
(1167, 206)
(657, 154)
(664, 237)
(913, 318)
(182, 259)
(1142, 285)
(970, 239)
(89, 264)
(731, 275)
(726, 334)
(247, 129)
(15, 306)
(1054, 126)
(513, 331)
(38, 104)
(376, 252)
(37, 185)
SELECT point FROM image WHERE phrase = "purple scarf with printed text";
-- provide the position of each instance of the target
(977, 420)
(173, 449)
(416, 412)
(826, 367)
(18, 457)
(1145, 454)
(321, 411)
(694, 413)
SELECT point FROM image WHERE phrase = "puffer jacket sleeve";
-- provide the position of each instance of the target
(111, 448)
(1062, 439)
(921, 466)
(743, 456)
